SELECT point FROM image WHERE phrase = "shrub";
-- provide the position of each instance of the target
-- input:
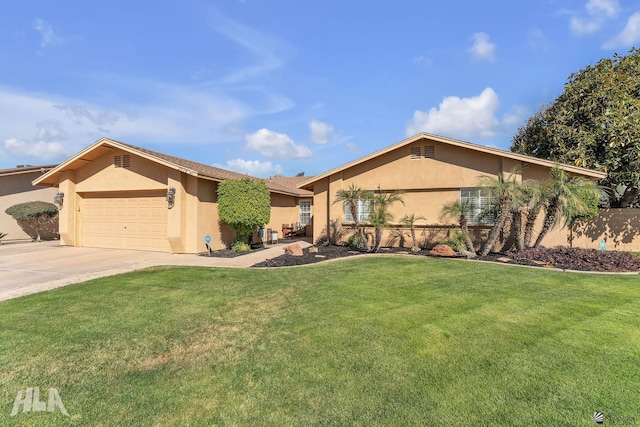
(244, 205)
(239, 246)
(34, 215)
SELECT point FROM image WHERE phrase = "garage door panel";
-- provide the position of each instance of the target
(118, 221)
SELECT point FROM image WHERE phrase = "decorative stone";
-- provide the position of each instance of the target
(293, 249)
(503, 259)
(442, 250)
(313, 249)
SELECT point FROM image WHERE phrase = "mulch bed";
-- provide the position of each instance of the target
(560, 257)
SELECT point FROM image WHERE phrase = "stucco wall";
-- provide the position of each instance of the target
(618, 228)
(16, 189)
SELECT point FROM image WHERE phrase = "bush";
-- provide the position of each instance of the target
(239, 246)
(244, 205)
(456, 241)
(33, 216)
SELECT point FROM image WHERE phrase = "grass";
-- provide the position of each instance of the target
(376, 341)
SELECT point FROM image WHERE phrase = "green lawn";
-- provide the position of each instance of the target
(371, 341)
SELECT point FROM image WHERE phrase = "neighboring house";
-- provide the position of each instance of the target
(117, 195)
(431, 171)
(16, 187)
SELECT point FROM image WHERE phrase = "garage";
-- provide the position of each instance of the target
(125, 221)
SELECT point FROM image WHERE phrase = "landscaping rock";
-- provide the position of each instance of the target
(293, 249)
(313, 249)
(442, 250)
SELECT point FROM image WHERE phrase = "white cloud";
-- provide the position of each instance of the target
(629, 36)
(537, 39)
(253, 167)
(599, 12)
(38, 151)
(483, 49)
(268, 52)
(276, 145)
(321, 132)
(608, 8)
(49, 37)
(459, 117)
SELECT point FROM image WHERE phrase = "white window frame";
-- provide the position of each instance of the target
(477, 200)
(304, 209)
(363, 209)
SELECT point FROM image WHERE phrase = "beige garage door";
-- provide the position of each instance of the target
(125, 222)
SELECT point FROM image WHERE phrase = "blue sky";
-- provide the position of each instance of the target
(282, 87)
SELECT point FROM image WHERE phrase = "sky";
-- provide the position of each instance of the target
(268, 87)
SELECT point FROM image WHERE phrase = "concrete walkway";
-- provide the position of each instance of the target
(27, 268)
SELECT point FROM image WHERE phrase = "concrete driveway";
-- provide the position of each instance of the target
(27, 268)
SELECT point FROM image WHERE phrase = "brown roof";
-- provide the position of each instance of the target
(26, 169)
(183, 165)
(480, 148)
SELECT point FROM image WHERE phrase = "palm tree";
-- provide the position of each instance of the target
(352, 196)
(566, 198)
(502, 191)
(380, 217)
(527, 203)
(410, 221)
(460, 211)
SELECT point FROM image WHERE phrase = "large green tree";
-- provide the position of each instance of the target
(595, 123)
(244, 205)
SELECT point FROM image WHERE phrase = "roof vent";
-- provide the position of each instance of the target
(415, 153)
(429, 151)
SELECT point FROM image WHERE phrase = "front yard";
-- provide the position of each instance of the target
(365, 341)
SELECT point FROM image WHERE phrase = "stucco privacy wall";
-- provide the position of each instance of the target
(618, 228)
(16, 187)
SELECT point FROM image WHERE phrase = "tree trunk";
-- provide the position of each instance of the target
(464, 227)
(532, 217)
(414, 247)
(550, 218)
(503, 214)
(378, 238)
(629, 196)
(517, 228)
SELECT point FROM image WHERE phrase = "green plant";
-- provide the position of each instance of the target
(352, 197)
(34, 214)
(3, 235)
(457, 241)
(460, 211)
(410, 221)
(244, 205)
(239, 246)
(380, 216)
(358, 242)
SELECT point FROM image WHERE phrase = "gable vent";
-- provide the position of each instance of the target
(122, 161)
(429, 151)
(415, 153)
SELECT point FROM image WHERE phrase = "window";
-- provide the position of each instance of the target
(363, 208)
(478, 203)
(304, 217)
